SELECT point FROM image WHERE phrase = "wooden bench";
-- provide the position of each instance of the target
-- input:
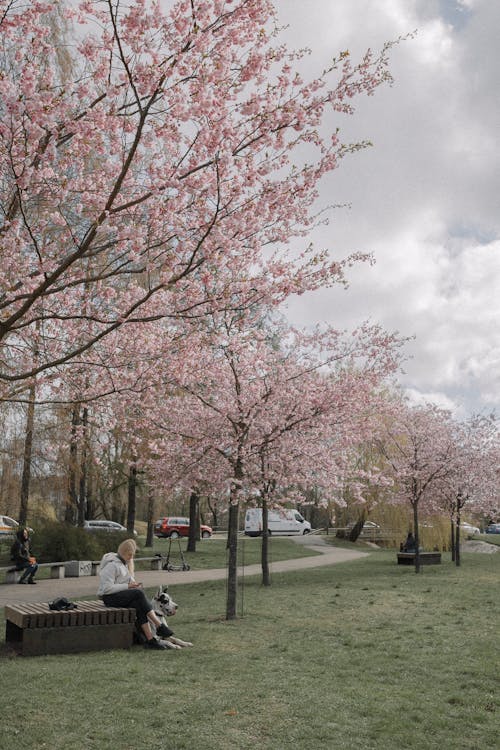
(34, 629)
(426, 558)
(12, 575)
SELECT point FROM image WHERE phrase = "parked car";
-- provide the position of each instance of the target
(8, 527)
(493, 528)
(176, 526)
(370, 528)
(468, 528)
(103, 525)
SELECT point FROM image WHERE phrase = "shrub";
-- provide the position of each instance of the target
(54, 542)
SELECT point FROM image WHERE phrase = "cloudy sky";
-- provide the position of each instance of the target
(425, 198)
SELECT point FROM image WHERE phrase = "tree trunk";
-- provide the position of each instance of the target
(72, 501)
(457, 541)
(264, 550)
(232, 565)
(416, 535)
(28, 448)
(117, 478)
(452, 539)
(82, 494)
(150, 518)
(90, 501)
(214, 512)
(194, 521)
(132, 497)
(356, 529)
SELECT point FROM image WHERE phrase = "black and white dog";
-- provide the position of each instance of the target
(164, 606)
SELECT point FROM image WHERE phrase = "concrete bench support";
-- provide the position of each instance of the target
(13, 575)
(96, 566)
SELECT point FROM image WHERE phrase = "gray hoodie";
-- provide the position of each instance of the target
(114, 575)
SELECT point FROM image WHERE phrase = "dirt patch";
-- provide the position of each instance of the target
(472, 545)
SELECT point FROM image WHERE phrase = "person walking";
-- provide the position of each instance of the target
(22, 556)
(118, 588)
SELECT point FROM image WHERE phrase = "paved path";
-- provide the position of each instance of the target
(75, 588)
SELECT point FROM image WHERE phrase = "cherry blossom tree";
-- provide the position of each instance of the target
(471, 483)
(419, 447)
(364, 481)
(257, 402)
(303, 448)
(160, 174)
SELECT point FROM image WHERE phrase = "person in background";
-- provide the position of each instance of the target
(21, 555)
(409, 545)
(118, 588)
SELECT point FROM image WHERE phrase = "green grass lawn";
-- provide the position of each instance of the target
(490, 538)
(363, 655)
(212, 553)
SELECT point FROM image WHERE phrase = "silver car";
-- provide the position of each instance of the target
(103, 525)
(468, 528)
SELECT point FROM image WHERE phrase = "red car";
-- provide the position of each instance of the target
(176, 526)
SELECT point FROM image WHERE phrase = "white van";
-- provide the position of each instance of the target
(284, 522)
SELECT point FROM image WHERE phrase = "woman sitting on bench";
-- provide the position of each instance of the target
(409, 545)
(118, 588)
(21, 554)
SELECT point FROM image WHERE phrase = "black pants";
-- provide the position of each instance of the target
(135, 598)
(28, 568)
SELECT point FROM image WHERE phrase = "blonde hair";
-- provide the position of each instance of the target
(127, 546)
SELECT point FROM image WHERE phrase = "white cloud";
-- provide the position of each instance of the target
(425, 197)
(417, 398)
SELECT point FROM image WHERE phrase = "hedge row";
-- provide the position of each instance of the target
(54, 542)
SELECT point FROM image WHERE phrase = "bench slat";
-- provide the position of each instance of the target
(93, 609)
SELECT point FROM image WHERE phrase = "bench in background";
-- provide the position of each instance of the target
(58, 569)
(34, 629)
(156, 563)
(426, 558)
(12, 575)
